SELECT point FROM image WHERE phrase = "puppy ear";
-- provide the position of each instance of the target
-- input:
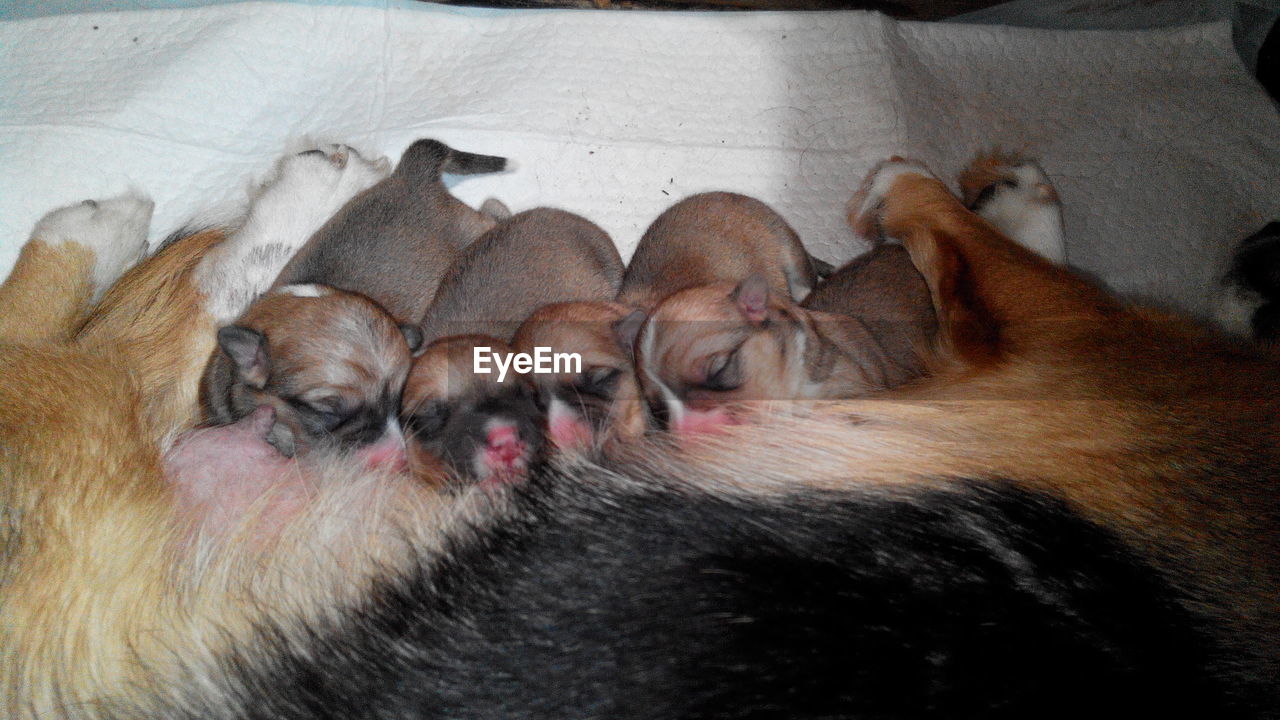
(626, 330)
(248, 350)
(412, 335)
(752, 298)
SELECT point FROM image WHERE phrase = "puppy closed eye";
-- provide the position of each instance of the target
(723, 372)
(327, 412)
(429, 419)
(600, 382)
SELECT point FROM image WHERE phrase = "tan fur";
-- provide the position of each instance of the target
(153, 315)
(108, 598)
(338, 350)
(446, 370)
(534, 258)
(47, 292)
(586, 328)
(715, 237)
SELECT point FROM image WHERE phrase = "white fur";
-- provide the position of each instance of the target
(883, 177)
(305, 190)
(1233, 309)
(1029, 213)
(675, 408)
(114, 229)
(306, 290)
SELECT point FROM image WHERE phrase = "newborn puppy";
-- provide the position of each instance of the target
(884, 293)
(536, 257)
(331, 364)
(394, 241)
(716, 237)
(486, 426)
(707, 350)
(598, 402)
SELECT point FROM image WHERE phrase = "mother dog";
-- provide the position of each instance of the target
(1075, 515)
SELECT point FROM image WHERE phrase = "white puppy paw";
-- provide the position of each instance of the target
(864, 209)
(303, 192)
(115, 230)
(1015, 195)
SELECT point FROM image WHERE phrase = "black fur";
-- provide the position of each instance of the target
(601, 598)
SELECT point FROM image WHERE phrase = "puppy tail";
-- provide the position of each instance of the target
(426, 160)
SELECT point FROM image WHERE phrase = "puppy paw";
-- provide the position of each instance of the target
(867, 203)
(114, 230)
(1015, 195)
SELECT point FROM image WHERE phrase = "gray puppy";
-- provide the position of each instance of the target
(394, 241)
(535, 258)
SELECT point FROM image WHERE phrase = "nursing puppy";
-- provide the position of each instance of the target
(598, 404)
(394, 241)
(716, 237)
(482, 420)
(322, 359)
(1084, 489)
(330, 364)
(709, 354)
(535, 258)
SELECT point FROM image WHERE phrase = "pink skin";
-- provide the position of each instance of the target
(702, 422)
(220, 474)
(388, 453)
(504, 458)
(566, 430)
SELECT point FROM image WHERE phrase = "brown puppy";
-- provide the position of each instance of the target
(706, 353)
(885, 293)
(394, 241)
(462, 404)
(716, 237)
(536, 257)
(599, 403)
(331, 364)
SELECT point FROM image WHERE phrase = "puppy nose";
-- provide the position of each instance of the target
(388, 453)
(504, 443)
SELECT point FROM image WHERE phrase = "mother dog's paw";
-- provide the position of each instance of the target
(114, 230)
(1016, 196)
(867, 204)
(327, 175)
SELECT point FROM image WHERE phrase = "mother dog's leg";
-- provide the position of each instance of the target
(1143, 423)
(74, 253)
(986, 288)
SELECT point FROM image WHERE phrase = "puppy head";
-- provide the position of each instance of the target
(484, 428)
(597, 401)
(708, 349)
(331, 364)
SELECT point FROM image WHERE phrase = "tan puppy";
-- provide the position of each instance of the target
(885, 293)
(716, 237)
(331, 365)
(462, 405)
(599, 404)
(394, 241)
(707, 354)
(536, 257)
